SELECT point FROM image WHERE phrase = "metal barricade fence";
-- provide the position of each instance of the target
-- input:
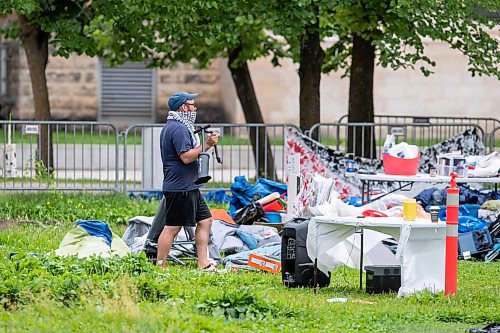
(335, 135)
(494, 137)
(265, 157)
(487, 124)
(93, 155)
(82, 156)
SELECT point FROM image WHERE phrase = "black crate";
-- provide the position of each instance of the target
(297, 270)
(382, 279)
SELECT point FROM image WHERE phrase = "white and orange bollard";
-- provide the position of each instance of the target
(451, 260)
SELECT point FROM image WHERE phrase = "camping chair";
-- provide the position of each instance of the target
(184, 245)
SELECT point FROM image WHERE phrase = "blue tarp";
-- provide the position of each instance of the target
(243, 192)
(217, 196)
(96, 228)
(470, 223)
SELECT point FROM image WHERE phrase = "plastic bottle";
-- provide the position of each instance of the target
(388, 143)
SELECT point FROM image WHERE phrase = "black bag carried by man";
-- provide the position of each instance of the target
(250, 213)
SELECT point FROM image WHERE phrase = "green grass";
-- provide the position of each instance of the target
(70, 138)
(45, 179)
(50, 294)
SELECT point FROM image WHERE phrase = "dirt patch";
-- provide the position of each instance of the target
(7, 224)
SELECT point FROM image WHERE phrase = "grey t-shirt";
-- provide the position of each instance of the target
(177, 176)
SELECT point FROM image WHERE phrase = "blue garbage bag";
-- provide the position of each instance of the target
(430, 197)
(470, 223)
(463, 210)
(243, 192)
(217, 196)
(436, 197)
(157, 195)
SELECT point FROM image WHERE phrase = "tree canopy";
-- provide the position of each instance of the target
(37, 24)
(400, 29)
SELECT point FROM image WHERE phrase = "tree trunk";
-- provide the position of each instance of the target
(36, 45)
(264, 160)
(361, 140)
(311, 60)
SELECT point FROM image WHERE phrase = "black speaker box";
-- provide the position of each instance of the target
(297, 270)
(382, 279)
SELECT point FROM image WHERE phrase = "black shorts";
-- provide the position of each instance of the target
(185, 208)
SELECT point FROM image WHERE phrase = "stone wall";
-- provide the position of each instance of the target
(73, 87)
(205, 82)
(71, 82)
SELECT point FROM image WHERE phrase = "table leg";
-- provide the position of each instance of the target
(368, 199)
(315, 275)
(361, 262)
(363, 192)
(365, 188)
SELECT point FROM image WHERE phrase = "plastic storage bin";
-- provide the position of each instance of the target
(273, 217)
(400, 166)
(475, 242)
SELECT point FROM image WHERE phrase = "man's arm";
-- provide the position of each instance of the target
(192, 155)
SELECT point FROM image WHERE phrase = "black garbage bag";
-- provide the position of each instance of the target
(250, 213)
(491, 328)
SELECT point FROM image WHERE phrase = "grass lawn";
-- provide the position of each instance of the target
(50, 294)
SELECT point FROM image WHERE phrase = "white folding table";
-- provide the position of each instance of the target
(421, 246)
(408, 181)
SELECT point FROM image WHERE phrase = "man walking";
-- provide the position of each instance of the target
(185, 206)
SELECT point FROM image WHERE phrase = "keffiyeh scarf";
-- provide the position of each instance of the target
(187, 118)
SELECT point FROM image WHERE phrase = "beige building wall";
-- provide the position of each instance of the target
(205, 82)
(72, 85)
